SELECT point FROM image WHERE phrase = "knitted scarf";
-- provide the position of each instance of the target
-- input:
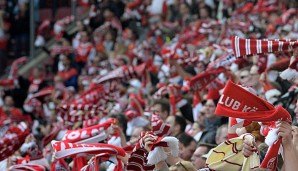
(248, 47)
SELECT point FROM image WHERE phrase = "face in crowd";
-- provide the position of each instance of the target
(197, 160)
(163, 114)
(210, 109)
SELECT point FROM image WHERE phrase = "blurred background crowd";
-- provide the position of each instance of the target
(131, 60)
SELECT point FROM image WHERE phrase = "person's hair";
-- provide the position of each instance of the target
(165, 106)
(180, 121)
(185, 139)
(122, 121)
(219, 129)
(209, 146)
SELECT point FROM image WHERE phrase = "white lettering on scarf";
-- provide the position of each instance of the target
(235, 105)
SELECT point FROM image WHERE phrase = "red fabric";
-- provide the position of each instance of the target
(68, 74)
(85, 107)
(79, 163)
(15, 115)
(158, 126)
(27, 167)
(7, 82)
(213, 94)
(174, 97)
(138, 158)
(294, 64)
(287, 15)
(75, 136)
(43, 27)
(248, 47)
(34, 86)
(59, 164)
(280, 65)
(91, 122)
(225, 60)
(15, 66)
(124, 72)
(55, 50)
(200, 81)
(135, 107)
(262, 63)
(12, 141)
(48, 138)
(240, 103)
(63, 149)
(75, 118)
(83, 51)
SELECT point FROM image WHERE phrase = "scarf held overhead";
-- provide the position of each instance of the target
(248, 47)
(240, 103)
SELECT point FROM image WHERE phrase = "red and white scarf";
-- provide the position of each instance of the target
(141, 160)
(225, 60)
(27, 167)
(248, 47)
(69, 117)
(64, 149)
(124, 72)
(158, 126)
(60, 165)
(240, 103)
(54, 132)
(55, 50)
(200, 81)
(91, 134)
(84, 107)
(12, 140)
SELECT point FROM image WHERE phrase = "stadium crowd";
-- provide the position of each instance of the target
(178, 85)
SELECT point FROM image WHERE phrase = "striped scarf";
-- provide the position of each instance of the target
(64, 149)
(12, 140)
(248, 47)
(158, 126)
(27, 167)
(91, 134)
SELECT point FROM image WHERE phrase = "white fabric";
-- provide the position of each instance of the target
(41, 161)
(198, 136)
